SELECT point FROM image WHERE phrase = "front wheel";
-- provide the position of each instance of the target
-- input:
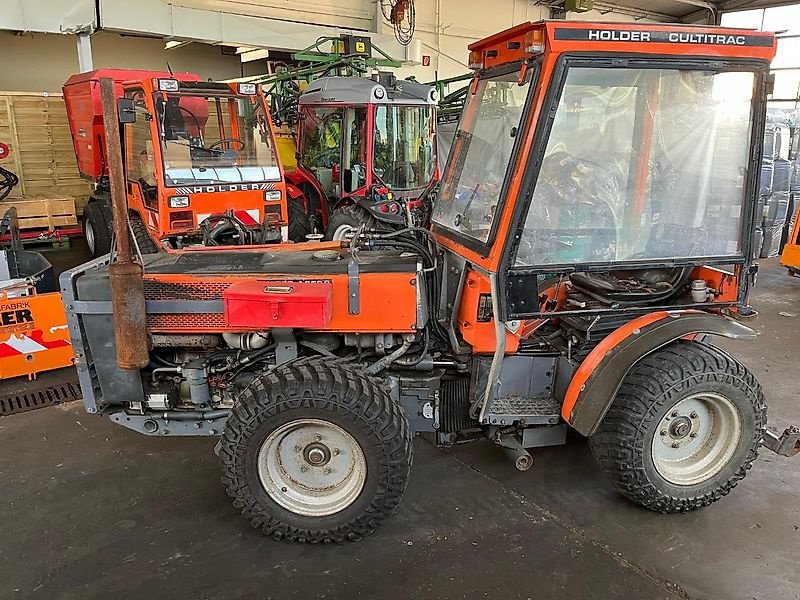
(683, 430)
(140, 237)
(316, 451)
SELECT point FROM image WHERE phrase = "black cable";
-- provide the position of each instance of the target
(422, 353)
(8, 181)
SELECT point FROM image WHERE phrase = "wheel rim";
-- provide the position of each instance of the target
(696, 438)
(89, 235)
(343, 232)
(312, 467)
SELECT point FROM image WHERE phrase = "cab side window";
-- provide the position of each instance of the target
(139, 156)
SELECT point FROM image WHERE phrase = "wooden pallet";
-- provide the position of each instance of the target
(48, 212)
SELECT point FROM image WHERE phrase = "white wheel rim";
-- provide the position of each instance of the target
(696, 438)
(89, 234)
(343, 232)
(312, 467)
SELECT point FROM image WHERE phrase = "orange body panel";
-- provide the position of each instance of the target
(33, 335)
(387, 302)
(479, 334)
(790, 257)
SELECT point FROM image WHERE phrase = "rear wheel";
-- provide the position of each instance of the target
(316, 451)
(142, 239)
(96, 230)
(683, 430)
(299, 221)
(344, 222)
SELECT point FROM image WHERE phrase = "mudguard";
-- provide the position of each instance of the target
(598, 378)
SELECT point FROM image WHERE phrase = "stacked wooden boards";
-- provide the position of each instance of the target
(49, 213)
(35, 127)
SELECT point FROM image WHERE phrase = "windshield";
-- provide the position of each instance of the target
(480, 156)
(642, 164)
(404, 155)
(215, 140)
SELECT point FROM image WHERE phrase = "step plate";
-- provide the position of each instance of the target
(534, 411)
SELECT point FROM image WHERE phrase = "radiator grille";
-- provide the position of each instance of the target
(454, 406)
(161, 290)
(192, 322)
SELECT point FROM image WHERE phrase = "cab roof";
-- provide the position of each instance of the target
(362, 90)
(529, 39)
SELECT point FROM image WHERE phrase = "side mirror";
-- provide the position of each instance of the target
(126, 110)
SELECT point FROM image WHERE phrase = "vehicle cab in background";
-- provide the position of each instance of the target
(366, 151)
(200, 161)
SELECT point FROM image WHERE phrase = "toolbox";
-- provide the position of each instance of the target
(278, 303)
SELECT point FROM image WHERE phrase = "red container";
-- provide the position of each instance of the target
(269, 304)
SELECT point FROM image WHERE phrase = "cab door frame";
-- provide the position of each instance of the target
(520, 294)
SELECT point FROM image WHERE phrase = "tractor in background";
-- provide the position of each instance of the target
(199, 157)
(365, 141)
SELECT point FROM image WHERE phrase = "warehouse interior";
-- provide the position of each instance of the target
(101, 508)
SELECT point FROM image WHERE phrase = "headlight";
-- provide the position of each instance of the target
(168, 85)
(179, 202)
(273, 195)
(247, 89)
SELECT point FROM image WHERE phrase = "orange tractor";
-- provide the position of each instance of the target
(573, 278)
(199, 160)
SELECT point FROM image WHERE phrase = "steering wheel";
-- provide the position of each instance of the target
(242, 145)
(325, 159)
(402, 173)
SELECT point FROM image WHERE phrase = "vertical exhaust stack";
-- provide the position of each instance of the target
(126, 275)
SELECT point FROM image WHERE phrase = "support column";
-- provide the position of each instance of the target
(84, 52)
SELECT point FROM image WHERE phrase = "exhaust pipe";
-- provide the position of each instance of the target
(126, 275)
(513, 448)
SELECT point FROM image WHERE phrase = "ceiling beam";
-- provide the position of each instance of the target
(701, 3)
(613, 7)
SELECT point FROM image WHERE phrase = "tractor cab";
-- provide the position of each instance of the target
(199, 159)
(604, 170)
(366, 150)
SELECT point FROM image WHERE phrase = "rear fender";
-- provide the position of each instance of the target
(598, 378)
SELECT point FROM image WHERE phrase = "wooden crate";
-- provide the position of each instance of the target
(35, 127)
(43, 212)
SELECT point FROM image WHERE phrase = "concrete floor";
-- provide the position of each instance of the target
(92, 510)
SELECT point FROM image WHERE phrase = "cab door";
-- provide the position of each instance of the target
(140, 164)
